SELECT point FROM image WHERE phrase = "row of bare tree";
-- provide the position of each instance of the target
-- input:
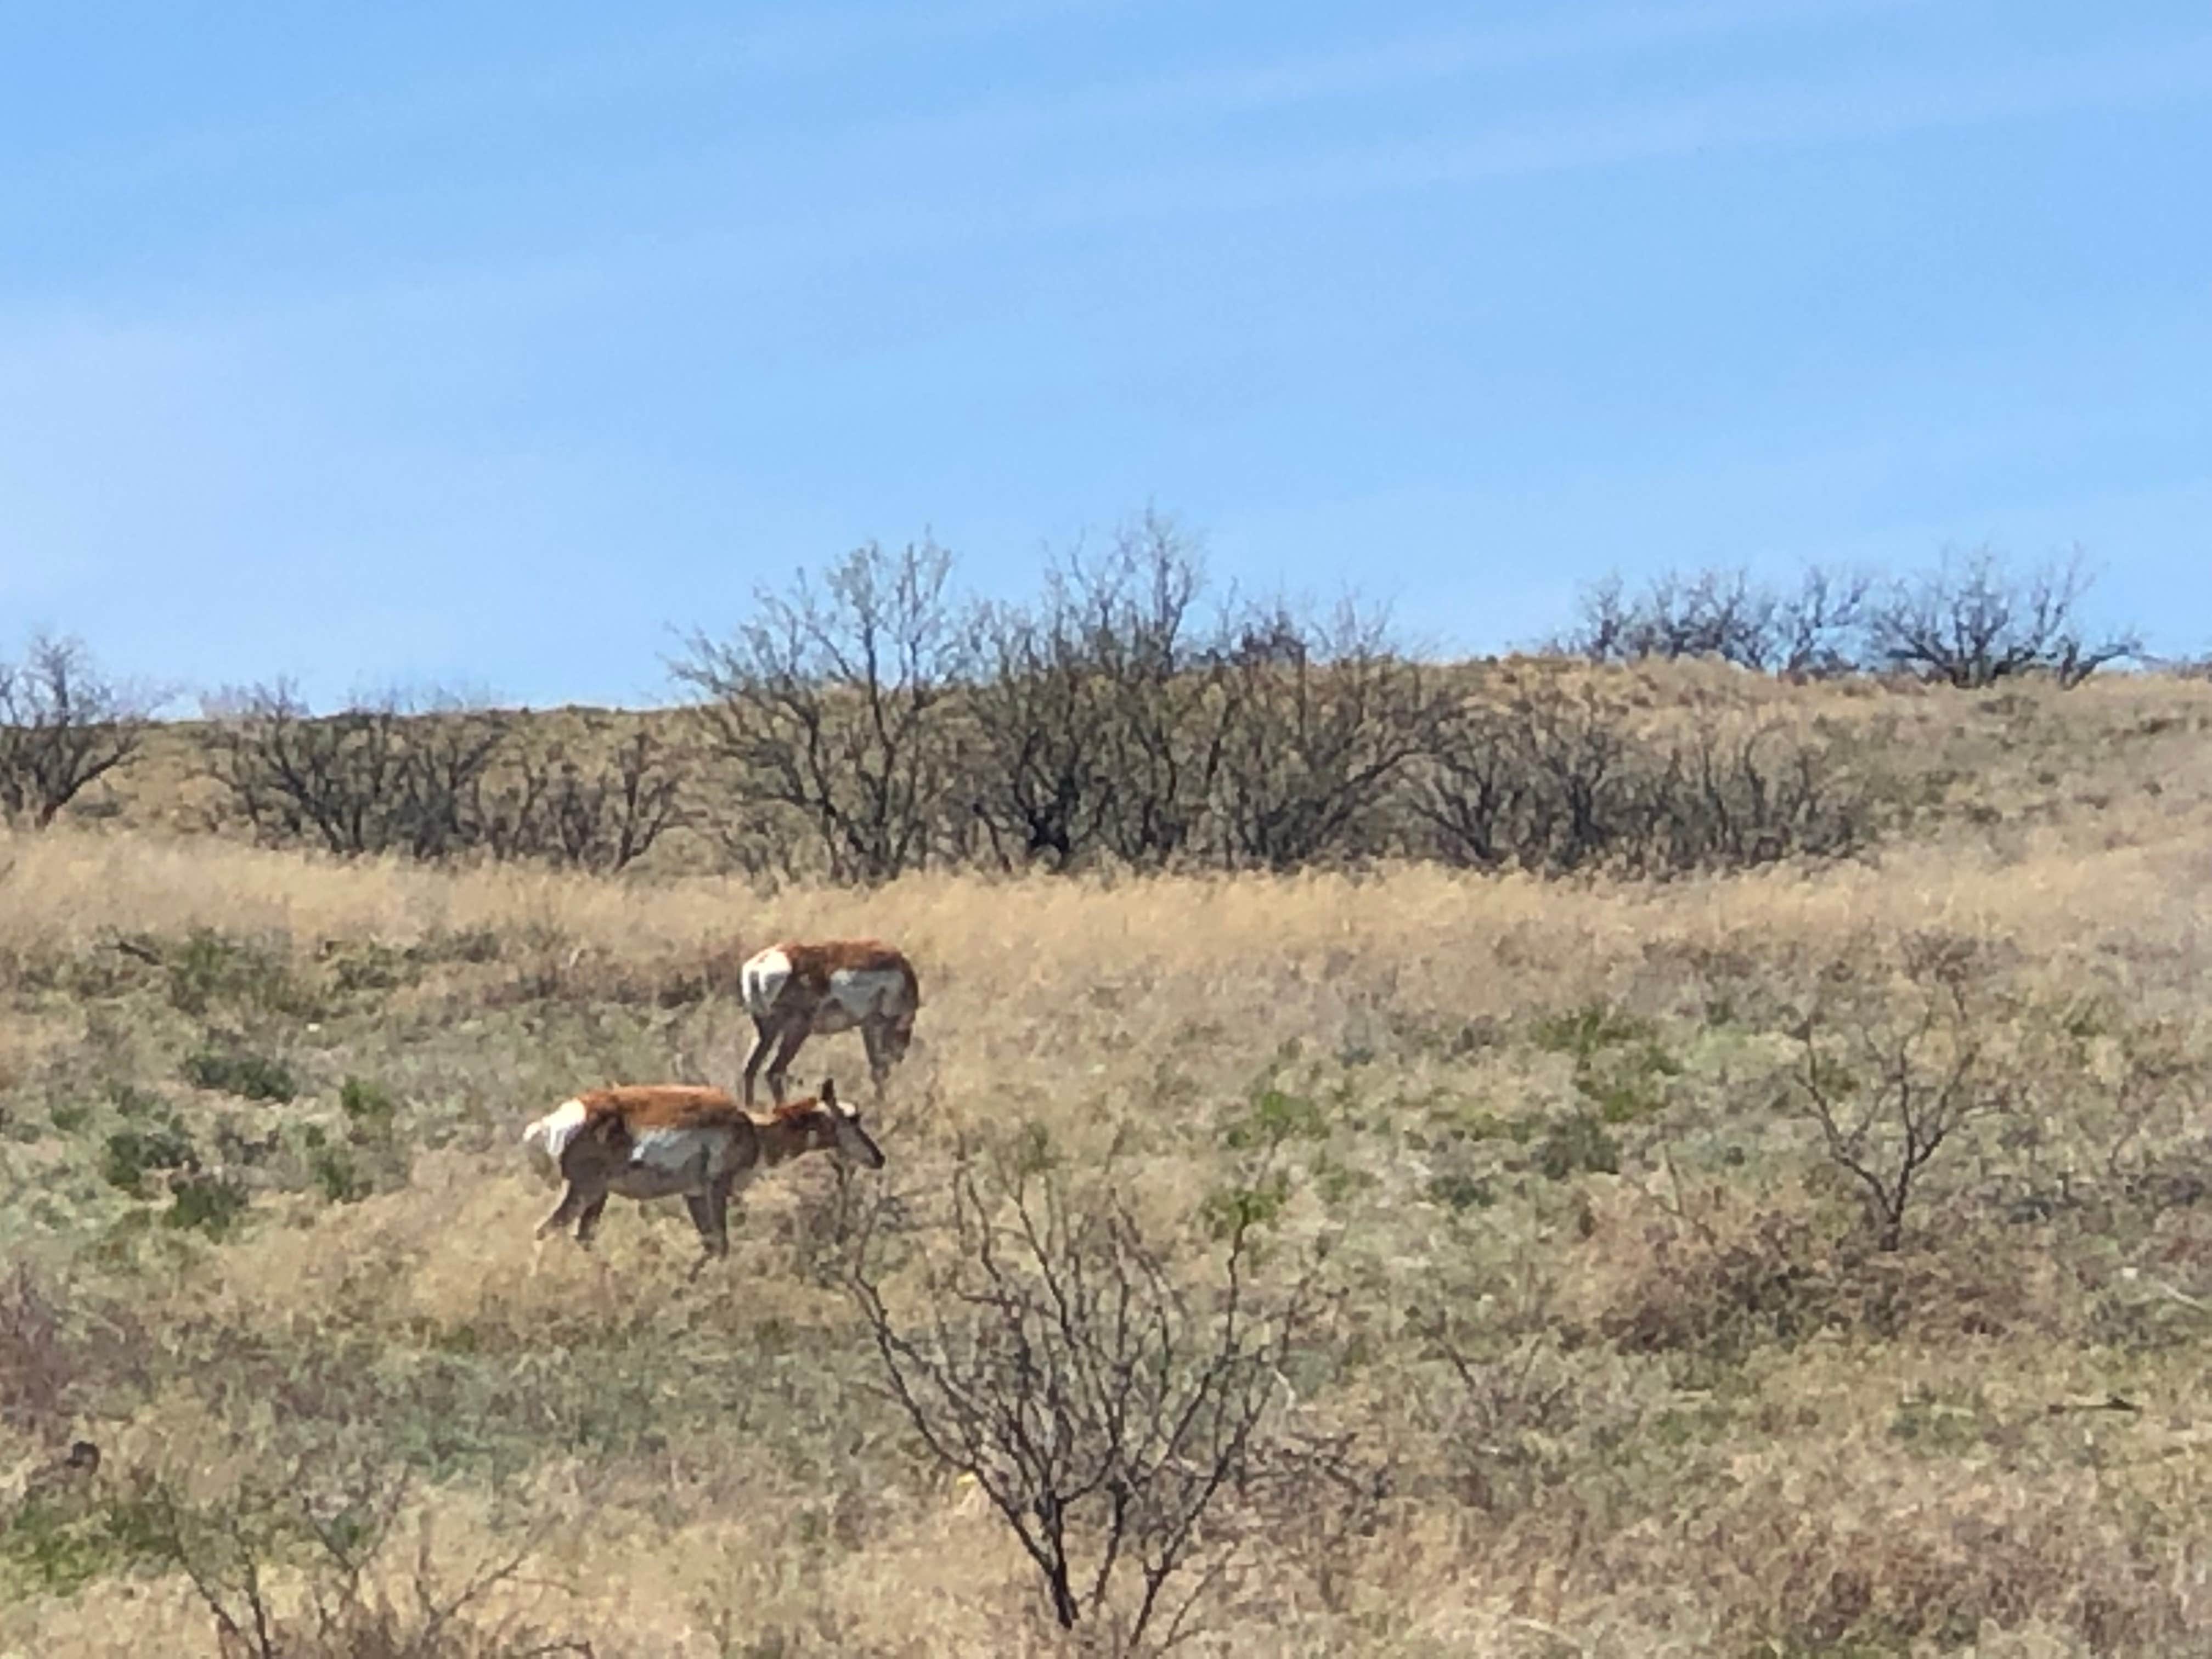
(1971, 622)
(871, 722)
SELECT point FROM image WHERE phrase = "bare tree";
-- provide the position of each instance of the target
(64, 725)
(1322, 720)
(834, 707)
(1098, 716)
(1101, 1407)
(1563, 777)
(1818, 628)
(1038, 782)
(1579, 748)
(392, 774)
(1821, 629)
(1473, 787)
(292, 1567)
(1889, 1074)
(584, 803)
(1745, 792)
(1973, 621)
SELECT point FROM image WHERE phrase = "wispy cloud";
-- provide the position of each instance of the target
(1775, 116)
(728, 244)
(1366, 67)
(636, 68)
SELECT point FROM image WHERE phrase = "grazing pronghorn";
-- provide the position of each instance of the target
(797, 991)
(662, 1140)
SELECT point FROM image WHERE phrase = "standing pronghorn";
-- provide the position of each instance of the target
(660, 1141)
(796, 991)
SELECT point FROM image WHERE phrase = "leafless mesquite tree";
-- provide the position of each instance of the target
(319, 1535)
(1098, 719)
(392, 774)
(1323, 718)
(595, 812)
(1817, 628)
(1889, 1074)
(1103, 1408)
(1973, 621)
(832, 707)
(1562, 777)
(64, 725)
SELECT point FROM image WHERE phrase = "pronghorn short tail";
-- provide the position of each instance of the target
(549, 1136)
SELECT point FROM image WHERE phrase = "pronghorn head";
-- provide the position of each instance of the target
(851, 1142)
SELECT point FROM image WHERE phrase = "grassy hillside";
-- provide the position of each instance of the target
(1609, 1357)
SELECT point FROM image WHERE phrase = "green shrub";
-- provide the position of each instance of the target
(1455, 1189)
(129, 1153)
(209, 1203)
(340, 1178)
(240, 1071)
(369, 1109)
(210, 970)
(1578, 1141)
(134, 1103)
(1230, 1209)
(1276, 1117)
(1584, 1032)
(56, 1546)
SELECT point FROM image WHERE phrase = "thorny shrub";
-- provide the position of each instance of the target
(1108, 1409)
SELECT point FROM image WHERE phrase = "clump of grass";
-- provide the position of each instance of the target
(368, 1107)
(335, 1171)
(240, 1071)
(209, 1204)
(211, 970)
(1274, 1116)
(55, 1546)
(1591, 1029)
(1458, 1189)
(1578, 1142)
(131, 1153)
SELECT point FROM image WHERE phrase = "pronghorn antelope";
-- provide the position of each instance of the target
(797, 991)
(662, 1140)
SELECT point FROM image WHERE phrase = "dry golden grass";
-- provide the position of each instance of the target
(1701, 1416)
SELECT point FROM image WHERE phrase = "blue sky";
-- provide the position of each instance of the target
(486, 345)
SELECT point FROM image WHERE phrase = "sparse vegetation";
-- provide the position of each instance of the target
(1414, 1228)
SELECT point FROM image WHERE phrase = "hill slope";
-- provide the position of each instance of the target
(1613, 1360)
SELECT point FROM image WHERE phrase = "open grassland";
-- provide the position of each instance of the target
(1611, 1360)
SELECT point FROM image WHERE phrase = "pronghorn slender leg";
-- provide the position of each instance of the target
(710, 1214)
(879, 1064)
(702, 1218)
(764, 1040)
(779, 1068)
(588, 1222)
(571, 1205)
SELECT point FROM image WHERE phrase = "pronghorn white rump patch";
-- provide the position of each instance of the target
(549, 1136)
(763, 980)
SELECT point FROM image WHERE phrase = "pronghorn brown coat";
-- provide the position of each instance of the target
(663, 1140)
(794, 991)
